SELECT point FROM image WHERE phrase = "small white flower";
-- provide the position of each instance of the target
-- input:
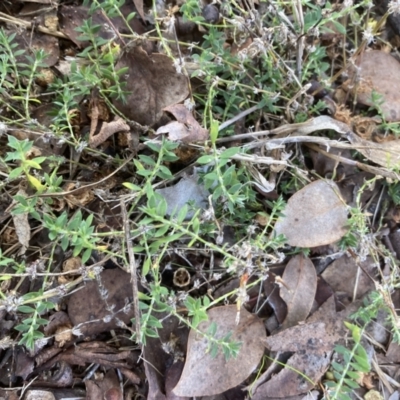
(81, 146)
(347, 3)
(179, 64)
(232, 85)
(394, 7)
(368, 35)
(217, 276)
(251, 229)
(189, 104)
(3, 128)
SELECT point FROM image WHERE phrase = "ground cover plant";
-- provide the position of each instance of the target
(199, 199)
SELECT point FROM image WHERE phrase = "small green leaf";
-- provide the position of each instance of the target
(205, 159)
(15, 173)
(229, 152)
(214, 131)
(26, 309)
(131, 186)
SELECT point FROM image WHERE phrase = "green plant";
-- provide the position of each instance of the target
(25, 164)
(347, 373)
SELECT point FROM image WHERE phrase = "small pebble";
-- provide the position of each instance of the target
(211, 13)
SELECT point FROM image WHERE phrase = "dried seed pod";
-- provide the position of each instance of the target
(181, 277)
(211, 13)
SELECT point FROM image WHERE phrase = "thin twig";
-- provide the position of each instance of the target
(28, 25)
(133, 270)
(58, 194)
(237, 117)
(363, 167)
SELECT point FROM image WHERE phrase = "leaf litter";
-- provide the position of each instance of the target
(277, 317)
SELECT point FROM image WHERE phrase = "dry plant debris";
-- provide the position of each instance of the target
(199, 199)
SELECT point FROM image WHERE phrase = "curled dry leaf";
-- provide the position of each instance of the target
(386, 154)
(204, 375)
(152, 84)
(378, 72)
(314, 216)
(185, 129)
(22, 227)
(298, 292)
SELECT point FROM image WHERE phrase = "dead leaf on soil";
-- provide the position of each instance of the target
(106, 388)
(39, 41)
(314, 216)
(160, 353)
(275, 301)
(152, 85)
(24, 364)
(312, 344)
(72, 17)
(379, 72)
(187, 189)
(386, 154)
(78, 199)
(204, 375)
(185, 129)
(88, 309)
(298, 291)
(342, 276)
(139, 7)
(288, 382)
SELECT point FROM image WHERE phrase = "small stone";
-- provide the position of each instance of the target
(211, 13)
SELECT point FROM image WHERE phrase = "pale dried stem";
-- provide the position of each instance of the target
(133, 270)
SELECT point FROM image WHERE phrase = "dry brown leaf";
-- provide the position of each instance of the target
(378, 72)
(386, 154)
(288, 382)
(22, 227)
(314, 216)
(89, 308)
(107, 388)
(158, 353)
(313, 344)
(139, 7)
(298, 291)
(152, 84)
(72, 17)
(344, 275)
(204, 375)
(273, 298)
(185, 128)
